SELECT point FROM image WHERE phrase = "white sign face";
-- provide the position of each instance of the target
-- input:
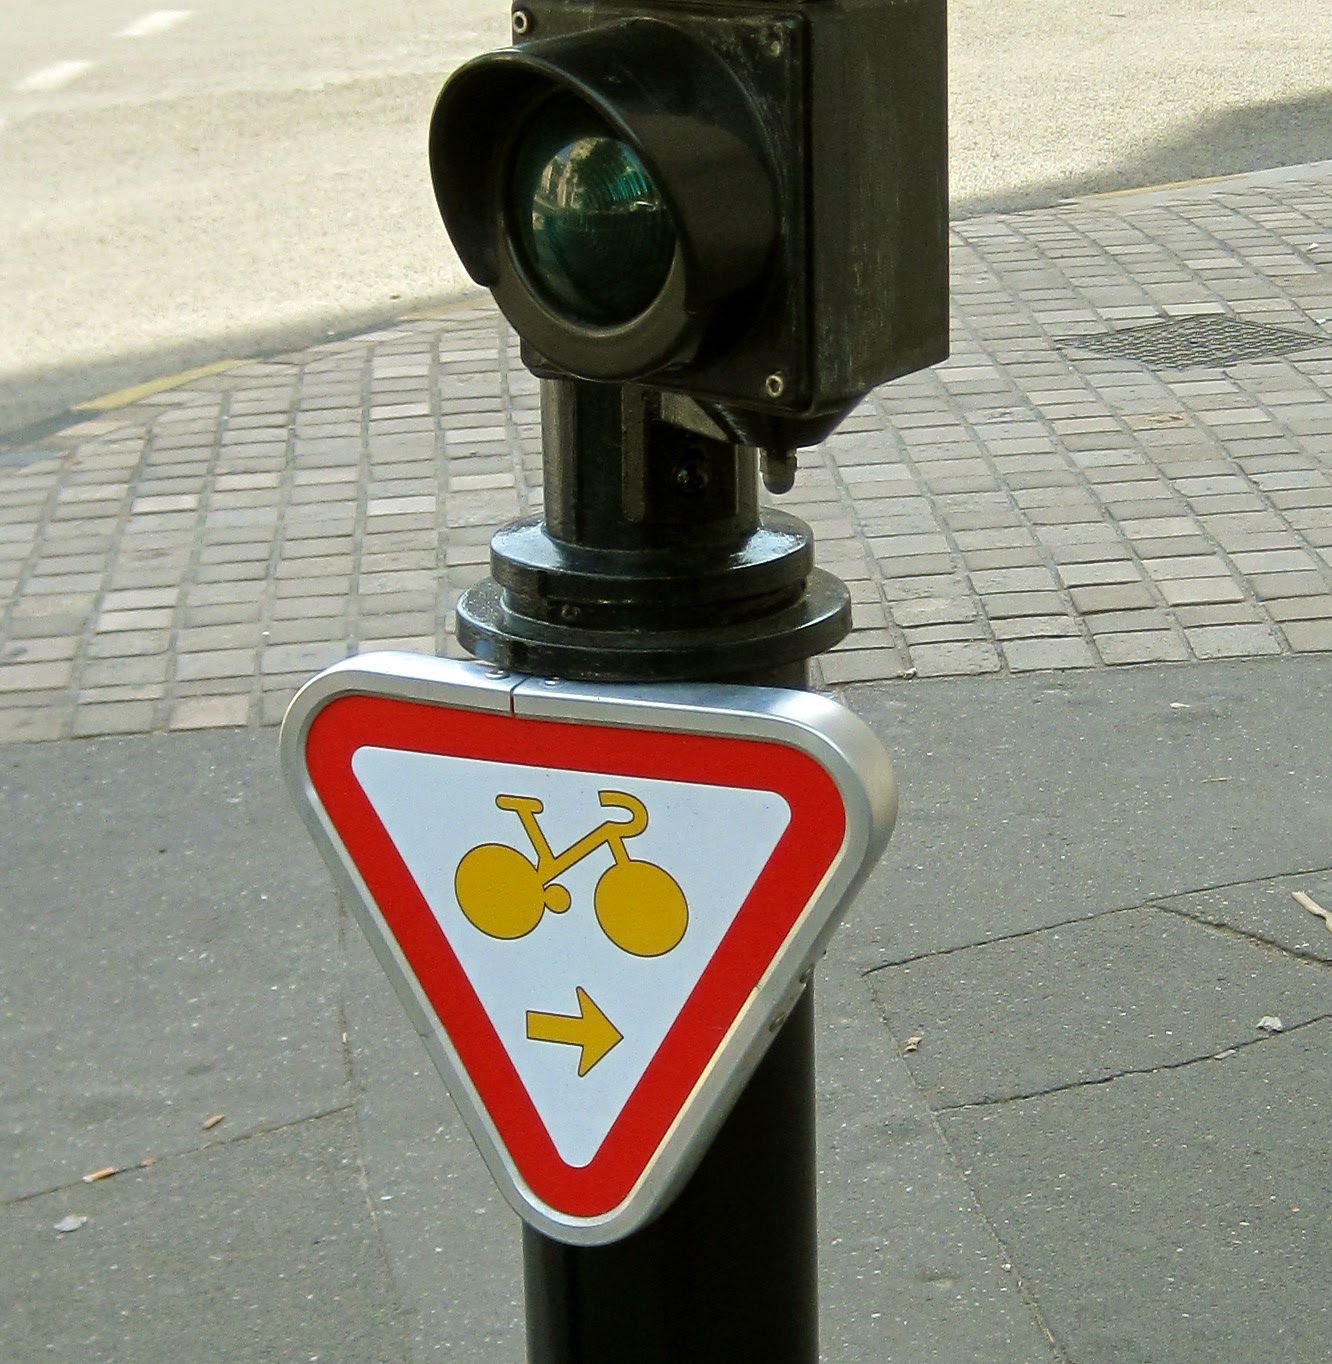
(597, 903)
(583, 908)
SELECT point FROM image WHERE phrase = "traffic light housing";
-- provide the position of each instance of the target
(742, 202)
(715, 225)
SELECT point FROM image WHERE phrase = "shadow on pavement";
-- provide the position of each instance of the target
(1257, 137)
(36, 403)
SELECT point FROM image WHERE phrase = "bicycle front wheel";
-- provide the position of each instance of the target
(641, 909)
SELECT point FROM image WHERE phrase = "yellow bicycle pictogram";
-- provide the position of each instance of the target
(639, 905)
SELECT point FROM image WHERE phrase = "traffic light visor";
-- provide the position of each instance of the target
(610, 187)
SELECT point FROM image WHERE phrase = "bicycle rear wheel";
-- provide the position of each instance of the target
(499, 891)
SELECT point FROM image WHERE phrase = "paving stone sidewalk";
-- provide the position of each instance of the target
(1067, 491)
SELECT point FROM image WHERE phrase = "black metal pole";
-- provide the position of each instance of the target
(729, 1272)
(652, 561)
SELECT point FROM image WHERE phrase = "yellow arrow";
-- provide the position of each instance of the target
(589, 1029)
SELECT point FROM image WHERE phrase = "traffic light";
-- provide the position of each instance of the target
(738, 201)
(715, 226)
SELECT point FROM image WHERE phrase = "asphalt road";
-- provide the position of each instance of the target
(250, 177)
(183, 186)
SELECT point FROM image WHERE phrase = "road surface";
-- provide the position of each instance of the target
(183, 186)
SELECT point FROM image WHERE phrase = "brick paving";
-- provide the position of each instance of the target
(189, 560)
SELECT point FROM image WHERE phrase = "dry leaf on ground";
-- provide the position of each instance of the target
(1308, 902)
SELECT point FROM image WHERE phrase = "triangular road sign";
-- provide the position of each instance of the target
(596, 902)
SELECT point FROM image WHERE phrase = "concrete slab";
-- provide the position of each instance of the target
(1181, 1215)
(1099, 784)
(253, 1250)
(909, 1270)
(454, 1244)
(1052, 797)
(1135, 991)
(168, 952)
(1267, 910)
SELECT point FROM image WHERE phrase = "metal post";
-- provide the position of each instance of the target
(653, 562)
(729, 1272)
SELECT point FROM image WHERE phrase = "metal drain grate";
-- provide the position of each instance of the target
(1211, 339)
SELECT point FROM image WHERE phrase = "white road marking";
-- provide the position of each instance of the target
(158, 21)
(54, 76)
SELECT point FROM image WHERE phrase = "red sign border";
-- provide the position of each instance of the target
(796, 868)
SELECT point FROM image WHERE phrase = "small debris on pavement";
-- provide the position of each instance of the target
(1270, 1023)
(71, 1223)
(913, 1044)
(1308, 902)
(210, 1123)
(104, 1173)
(1157, 421)
(1225, 1055)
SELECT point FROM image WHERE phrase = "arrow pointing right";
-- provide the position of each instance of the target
(589, 1029)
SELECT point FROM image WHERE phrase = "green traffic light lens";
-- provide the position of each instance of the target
(591, 225)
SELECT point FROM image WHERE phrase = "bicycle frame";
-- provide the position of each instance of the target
(611, 832)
